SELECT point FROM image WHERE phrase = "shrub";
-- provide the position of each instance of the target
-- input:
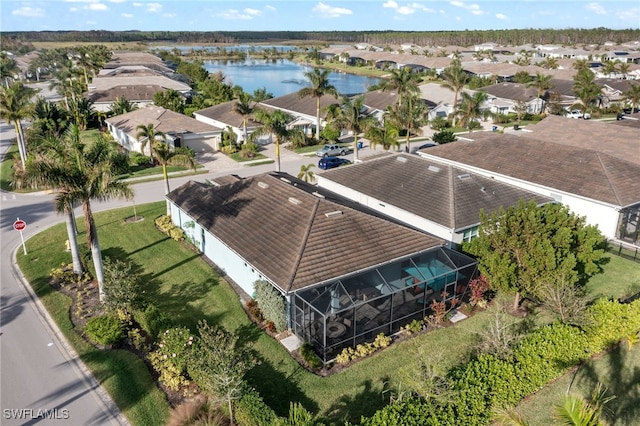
(138, 159)
(165, 225)
(171, 355)
(152, 320)
(309, 356)
(478, 287)
(250, 410)
(607, 322)
(444, 136)
(364, 349)
(271, 304)
(121, 286)
(254, 310)
(64, 274)
(414, 326)
(412, 412)
(105, 330)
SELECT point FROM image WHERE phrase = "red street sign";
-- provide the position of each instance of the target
(19, 225)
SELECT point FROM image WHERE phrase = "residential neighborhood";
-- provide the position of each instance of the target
(473, 214)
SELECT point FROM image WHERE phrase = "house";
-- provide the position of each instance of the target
(225, 116)
(179, 129)
(437, 198)
(346, 274)
(137, 75)
(504, 98)
(139, 95)
(594, 183)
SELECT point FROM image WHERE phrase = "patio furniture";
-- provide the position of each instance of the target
(335, 329)
(366, 312)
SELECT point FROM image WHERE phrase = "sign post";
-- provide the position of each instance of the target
(19, 225)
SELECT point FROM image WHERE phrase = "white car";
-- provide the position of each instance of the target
(576, 113)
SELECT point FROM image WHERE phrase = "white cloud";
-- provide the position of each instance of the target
(501, 16)
(235, 15)
(154, 7)
(117, 1)
(137, 4)
(169, 15)
(97, 7)
(270, 8)
(127, 15)
(408, 9)
(31, 12)
(326, 11)
(631, 14)
(474, 8)
(73, 9)
(596, 8)
(252, 12)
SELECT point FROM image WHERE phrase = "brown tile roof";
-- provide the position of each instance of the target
(124, 58)
(131, 93)
(287, 234)
(583, 172)
(513, 91)
(619, 141)
(225, 113)
(163, 120)
(293, 103)
(449, 196)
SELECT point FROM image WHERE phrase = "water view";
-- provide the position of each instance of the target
(282, 76)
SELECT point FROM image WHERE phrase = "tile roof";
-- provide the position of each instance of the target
(290, 236)
(583, 172)
(512, 91)
(622, 142)
(292, 103)
(449, 196)
(225, 113)
(163, 120)
(131, 93)
(135, 77)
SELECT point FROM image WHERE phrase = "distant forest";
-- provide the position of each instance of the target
(566, 37)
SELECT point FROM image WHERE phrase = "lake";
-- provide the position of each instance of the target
(282, 76)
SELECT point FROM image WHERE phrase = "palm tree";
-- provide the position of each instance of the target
(147, 135)
(320, 86)
(542, 83)
(623, 69)
(15, 105)
(306, 174)
(244, 107)
(403, 81)
(454, 79)
(469, 108)
(81, 173)
(411, 117)
(164, 155)
(121, 105)
(385, 135)
(351, 116)
(8, 68)
(586, 89)
(633, 96)
(274, 124)
(576, 411)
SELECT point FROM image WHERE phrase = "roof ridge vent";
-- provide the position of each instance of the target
(294, 200)
(464, 176)
(334, 213)
(317, 194)
(433, 168)
(263, 184)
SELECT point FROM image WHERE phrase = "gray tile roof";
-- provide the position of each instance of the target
(583, 172)
(286, 234)
(513, 91)
(449, 196)
(136, 93)
(164, 120)
(622, 142)
(293, 103)
(225, 113)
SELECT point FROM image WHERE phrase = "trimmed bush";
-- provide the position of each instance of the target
(105, 330)
(250, 410)
(309, 356)
(607, 322)
(152, 320)
(271, 303)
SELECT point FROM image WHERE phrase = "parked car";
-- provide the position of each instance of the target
(332, 162)
(332, 150)
(630, 110)
(423, 146)
(576, 113)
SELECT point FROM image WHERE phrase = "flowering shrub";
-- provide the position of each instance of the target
(364, 349)
(478, 287)
(64, 274)
(171, 355)
(165, 225)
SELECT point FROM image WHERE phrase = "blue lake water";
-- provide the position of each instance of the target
(281, 77)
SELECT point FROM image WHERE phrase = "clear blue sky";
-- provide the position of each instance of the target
(313, 15)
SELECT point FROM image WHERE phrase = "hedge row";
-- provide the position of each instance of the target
(488, 382)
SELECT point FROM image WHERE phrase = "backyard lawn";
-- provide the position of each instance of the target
(178, 281)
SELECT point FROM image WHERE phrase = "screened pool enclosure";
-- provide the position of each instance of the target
(353, 310)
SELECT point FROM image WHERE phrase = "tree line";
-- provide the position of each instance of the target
(513, 37)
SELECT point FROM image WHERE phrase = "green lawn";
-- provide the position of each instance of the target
(183, 285)
(622, 279)
(6, 168)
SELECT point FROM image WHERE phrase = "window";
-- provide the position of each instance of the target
(470, 234)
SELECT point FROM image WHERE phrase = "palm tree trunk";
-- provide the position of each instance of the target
(277, 154)
(92, 241)
(355, 148)
(166, 186)
(318, 119)
(23, 154)
(73, 242)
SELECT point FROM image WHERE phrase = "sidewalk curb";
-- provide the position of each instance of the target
(104, 400)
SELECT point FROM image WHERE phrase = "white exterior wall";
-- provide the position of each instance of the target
(392, 211)
(604, 216)
(237, 268)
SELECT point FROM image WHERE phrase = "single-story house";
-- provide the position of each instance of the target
(140, 96)
(603, 188)
(107, 79)
(223, 116)
(505, 97)
(179, 129)
(440, 199)
(346, 274)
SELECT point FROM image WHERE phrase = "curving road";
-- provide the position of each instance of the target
(42, 380)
